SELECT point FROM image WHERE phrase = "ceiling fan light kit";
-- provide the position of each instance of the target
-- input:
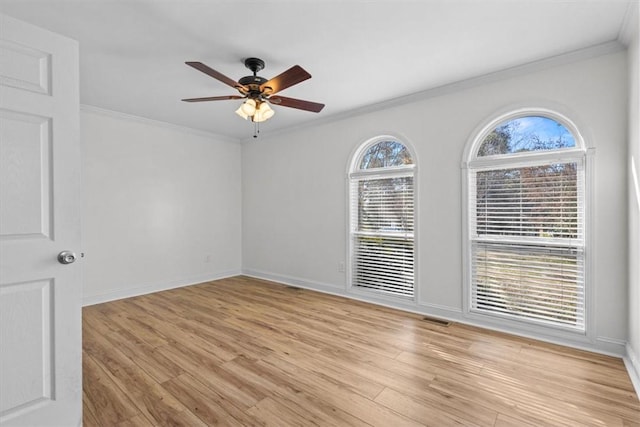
(256, 111)
(259, 92)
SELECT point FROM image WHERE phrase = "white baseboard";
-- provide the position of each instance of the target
(442, 312)
(294, 281)
(453, 314)
(611, 346)
(136, 290)
(601, 345)
(632, 364)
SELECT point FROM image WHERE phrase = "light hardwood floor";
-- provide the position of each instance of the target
(245, 352)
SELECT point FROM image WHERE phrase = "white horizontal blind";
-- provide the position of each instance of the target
(383, 234)
(536, 201)
(542, 283)
(527, 231)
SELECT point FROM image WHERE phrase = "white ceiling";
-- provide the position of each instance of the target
(132, 53)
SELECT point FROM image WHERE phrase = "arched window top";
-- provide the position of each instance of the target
(383, 154)
(530, 133)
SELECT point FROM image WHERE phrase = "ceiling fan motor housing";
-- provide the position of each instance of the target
(253, 82)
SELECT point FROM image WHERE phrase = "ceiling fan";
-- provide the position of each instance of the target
(258, 91)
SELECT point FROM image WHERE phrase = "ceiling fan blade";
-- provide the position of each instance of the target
(296, 103)
(216, 75)
(292, 76)
(213, 98)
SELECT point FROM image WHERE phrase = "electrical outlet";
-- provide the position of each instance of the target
(341, 267)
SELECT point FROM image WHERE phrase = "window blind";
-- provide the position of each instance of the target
(383, 234)
(538, 201)
(541, 283)
(527, 248)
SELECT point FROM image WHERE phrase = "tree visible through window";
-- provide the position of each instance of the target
(386, 154)
(382, 219)
(526, 223)
(531, 133)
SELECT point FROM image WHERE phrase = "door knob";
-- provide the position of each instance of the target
(66, 257)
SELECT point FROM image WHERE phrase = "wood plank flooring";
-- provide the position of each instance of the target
(246, 352)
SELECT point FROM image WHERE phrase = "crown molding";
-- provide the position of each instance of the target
(630, 24)
(157, 123)
(507, 73)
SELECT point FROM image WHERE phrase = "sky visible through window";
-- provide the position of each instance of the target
(531, 133)
(545, 129)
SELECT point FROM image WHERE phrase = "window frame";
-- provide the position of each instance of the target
(354, 173)
(583, 156)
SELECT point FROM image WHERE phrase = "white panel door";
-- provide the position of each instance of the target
(40, 298)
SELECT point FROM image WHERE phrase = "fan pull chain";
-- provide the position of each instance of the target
(256, 129)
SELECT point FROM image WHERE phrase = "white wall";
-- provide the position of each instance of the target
(294, 188)
(161, 206)
(633, 348)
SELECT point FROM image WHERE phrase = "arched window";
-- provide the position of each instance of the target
(382, 218)
(526, 228)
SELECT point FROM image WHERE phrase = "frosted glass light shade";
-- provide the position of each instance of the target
(249, 107)
(264, 112)
(241, 113)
